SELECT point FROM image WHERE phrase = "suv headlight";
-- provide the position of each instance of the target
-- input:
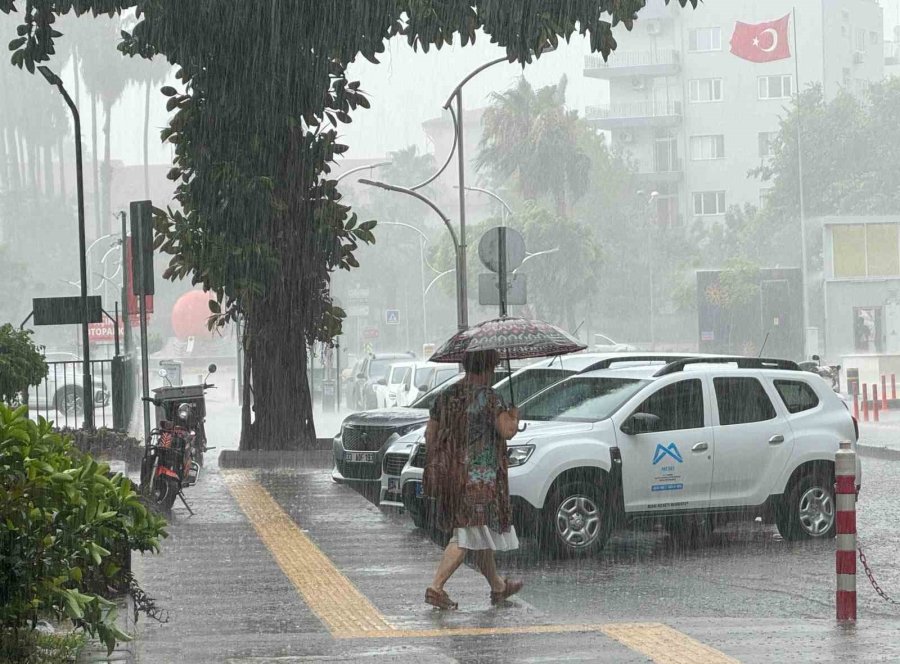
(518, 454)
(184, 411)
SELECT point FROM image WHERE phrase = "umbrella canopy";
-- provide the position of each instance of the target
(512, 338)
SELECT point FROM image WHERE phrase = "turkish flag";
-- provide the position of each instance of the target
(762, 42)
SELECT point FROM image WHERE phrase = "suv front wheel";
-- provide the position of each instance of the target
(576, 520)
(807, 510)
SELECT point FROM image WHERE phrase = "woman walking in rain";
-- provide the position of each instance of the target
(466, 474)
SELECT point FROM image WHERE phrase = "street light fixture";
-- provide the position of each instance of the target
(55, 81)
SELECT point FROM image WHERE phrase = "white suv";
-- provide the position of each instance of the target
(692, 444)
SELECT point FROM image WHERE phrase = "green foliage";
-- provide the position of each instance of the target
(850, 148)
(21, 363)
(38, 647)
(60, 515)
(532, 137)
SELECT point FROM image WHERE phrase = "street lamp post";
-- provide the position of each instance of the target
(651, 246)
(55, 81)
(461, 308)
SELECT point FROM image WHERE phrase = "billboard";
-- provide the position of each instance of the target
(751, 312)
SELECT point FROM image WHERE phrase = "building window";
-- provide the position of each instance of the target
(766, 139)
(860, 40)
(708, 203)
(707, 147)
(702, 40)
(776, 87)
(706, 89)
(865, 250)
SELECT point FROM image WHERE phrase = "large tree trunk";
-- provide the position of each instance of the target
(277, 354)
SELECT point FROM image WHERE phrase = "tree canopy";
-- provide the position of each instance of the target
(255, 129)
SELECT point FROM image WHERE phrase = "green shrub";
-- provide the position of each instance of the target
(59, 517)
(106, 443)
(21, 363)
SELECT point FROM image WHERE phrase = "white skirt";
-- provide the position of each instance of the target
(481, 538)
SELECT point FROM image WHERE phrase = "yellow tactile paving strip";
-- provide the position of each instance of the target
(348, 614)
(664, 645)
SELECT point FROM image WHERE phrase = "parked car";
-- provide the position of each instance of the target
(388, 389)
(603, 344)
(350, 384)
(424, 378)
(691, 445)
(395, 490)
(360, 445)
(63, 388)
(374, 368)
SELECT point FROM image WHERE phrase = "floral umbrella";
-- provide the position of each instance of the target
(512, 338)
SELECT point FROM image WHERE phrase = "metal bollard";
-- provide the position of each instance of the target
(845, 557)
(876, 404)
(856, 402)
(865, 401)
(884, 403)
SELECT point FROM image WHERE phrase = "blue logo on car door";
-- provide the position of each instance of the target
(662, 451)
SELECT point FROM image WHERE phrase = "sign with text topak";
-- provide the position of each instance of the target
(105, 332)
(489, 289)
(66, 310)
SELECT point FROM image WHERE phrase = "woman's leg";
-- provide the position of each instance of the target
(453, 558)
(486, 564)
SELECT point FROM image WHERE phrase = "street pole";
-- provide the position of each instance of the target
(803, 279)
(88, 407)
(501, 245)
(461, 274)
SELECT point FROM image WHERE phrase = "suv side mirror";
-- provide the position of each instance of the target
(360, 376)
(423, 388)
(382, 381)
(641, 423)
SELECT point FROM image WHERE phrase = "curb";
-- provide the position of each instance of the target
(272, 458)
(879, 452)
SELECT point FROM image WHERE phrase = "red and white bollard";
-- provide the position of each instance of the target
(893, 387)
(884, 405)
(876, 404)
(845, 499)
(865, 402)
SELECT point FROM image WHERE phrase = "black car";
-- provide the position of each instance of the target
(373, 369)
(364, 437)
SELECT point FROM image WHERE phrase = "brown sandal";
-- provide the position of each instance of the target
(440, 600)
(512, 587)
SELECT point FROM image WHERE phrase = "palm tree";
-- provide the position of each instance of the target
(531, 136)
(156, 71)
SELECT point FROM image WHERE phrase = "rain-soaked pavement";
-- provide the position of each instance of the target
(285, 566)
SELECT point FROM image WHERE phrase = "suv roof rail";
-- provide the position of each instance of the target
(741, 362)
(650, 357)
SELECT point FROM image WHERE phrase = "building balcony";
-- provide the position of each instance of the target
(666, 62)
(635, 114)
(671, 173)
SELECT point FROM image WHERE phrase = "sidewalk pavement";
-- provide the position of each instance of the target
(881, 439)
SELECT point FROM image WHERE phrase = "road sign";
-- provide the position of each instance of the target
(392, 316)
(369, 349)
(359, 310)
(489, 289)
(360, 295)
(141, 213)
(489, 248)
(370, 333)
(66, 310)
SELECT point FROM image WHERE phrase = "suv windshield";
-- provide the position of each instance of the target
(581, 399)
(379, 368)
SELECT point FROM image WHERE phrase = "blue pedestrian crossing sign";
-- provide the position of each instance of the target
(392, 316)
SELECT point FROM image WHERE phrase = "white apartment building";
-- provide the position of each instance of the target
(697, 118)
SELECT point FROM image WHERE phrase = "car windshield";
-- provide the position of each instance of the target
(398, 375)
(581, 399)
(379, 368)
(529, 382)
(423, 374)
(426, 400)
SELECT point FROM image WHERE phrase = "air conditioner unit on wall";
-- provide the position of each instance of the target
(638, 83)
(654, 27)
(626, 137)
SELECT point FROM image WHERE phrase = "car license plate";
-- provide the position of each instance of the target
(360, 457)
(419, 490)
(393, 485)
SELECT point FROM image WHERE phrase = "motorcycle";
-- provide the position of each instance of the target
(174, 454)
(830, 372)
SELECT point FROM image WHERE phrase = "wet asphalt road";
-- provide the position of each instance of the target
(745, 591)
